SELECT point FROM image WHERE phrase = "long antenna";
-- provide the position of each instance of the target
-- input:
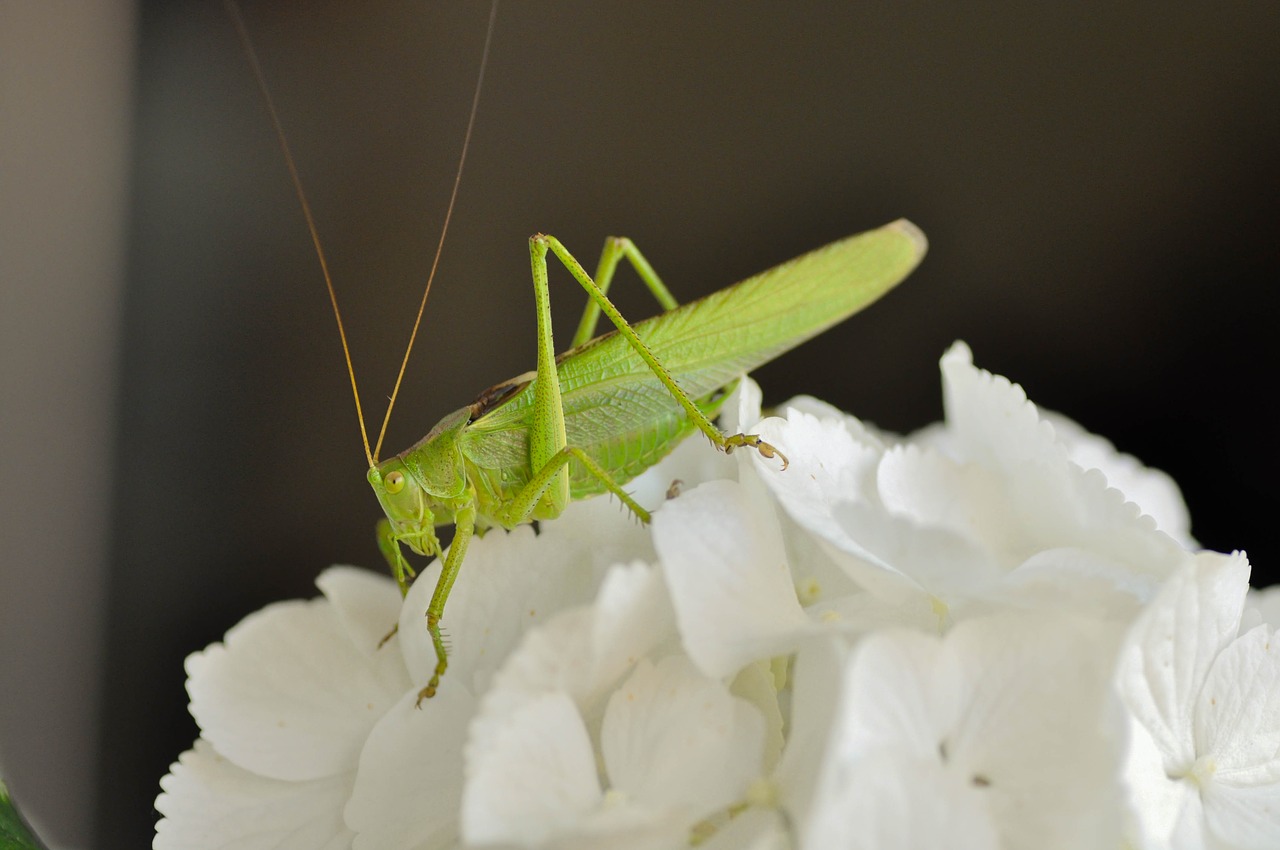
(234, 10)
(453, 197)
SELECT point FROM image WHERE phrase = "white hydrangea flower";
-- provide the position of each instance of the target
(285, 705)
(895, 643)
(565, 757)
(1204, 758)
(998, 735)
(1150, 489)
(299, 700)
(991, 506)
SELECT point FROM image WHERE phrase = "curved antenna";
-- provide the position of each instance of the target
(457, 180)
(234, 10)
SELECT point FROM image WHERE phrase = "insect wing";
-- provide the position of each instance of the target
(618, 411)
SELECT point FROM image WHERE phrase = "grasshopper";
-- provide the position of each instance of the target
(590, 420)
(611, 406)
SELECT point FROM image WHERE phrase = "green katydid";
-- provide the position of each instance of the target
(590, 420)
(610, 407)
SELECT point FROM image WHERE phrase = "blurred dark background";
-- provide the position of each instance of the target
(1099, 184)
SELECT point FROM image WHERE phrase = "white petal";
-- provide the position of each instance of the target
(1238, 711)
(584, 651)
(693, 462)
(1061, 505)
(533, 778)
(1080, 581)
(367, 605)
(830, 489)
(1033, 726)
(818, 575)
(1244, 817)
(599, 532)
(547, 663)
(862, 432)
(723, 560)
(577, 656)
(888, 698)
(754, 829)
(1013, 706)
(1159, 808)
(409, 784)
(1150, 489)
(990, 419)
(289, 696)
(858, 614)
(621, 825)
(742, 410)
(208, 802)
(758, 684)
(632, 614)
(888, 801)
(935, 491)
(816, 678)
(509, 582)
(827, 463)
(911, 559)
(675, 739)
(1191, 830)
(1172, 645)
(1058, 503)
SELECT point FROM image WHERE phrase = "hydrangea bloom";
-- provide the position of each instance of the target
(1204, 701)
(991, 633)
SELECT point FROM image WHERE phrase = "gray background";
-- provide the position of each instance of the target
(1099, 184)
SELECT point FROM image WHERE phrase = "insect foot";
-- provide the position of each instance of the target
(442, 659)
(430, 690)
(752, 441)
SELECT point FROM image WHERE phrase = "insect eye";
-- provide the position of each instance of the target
(394, 482)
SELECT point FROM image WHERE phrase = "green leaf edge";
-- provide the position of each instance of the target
(14, 832)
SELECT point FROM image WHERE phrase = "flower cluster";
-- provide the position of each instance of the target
(994, 633)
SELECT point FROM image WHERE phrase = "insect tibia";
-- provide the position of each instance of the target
(628, 509)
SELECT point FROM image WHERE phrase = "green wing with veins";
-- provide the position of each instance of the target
(617, 411)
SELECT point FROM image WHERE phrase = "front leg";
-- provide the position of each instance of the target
(464, 528)
(389, 545)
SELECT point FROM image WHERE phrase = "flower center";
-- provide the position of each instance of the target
(1200, 772)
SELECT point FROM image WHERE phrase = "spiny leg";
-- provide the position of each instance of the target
(538, 247)
(615, 248)
(389, 543)
(522, 505)
(464, 528)
(517, 510)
